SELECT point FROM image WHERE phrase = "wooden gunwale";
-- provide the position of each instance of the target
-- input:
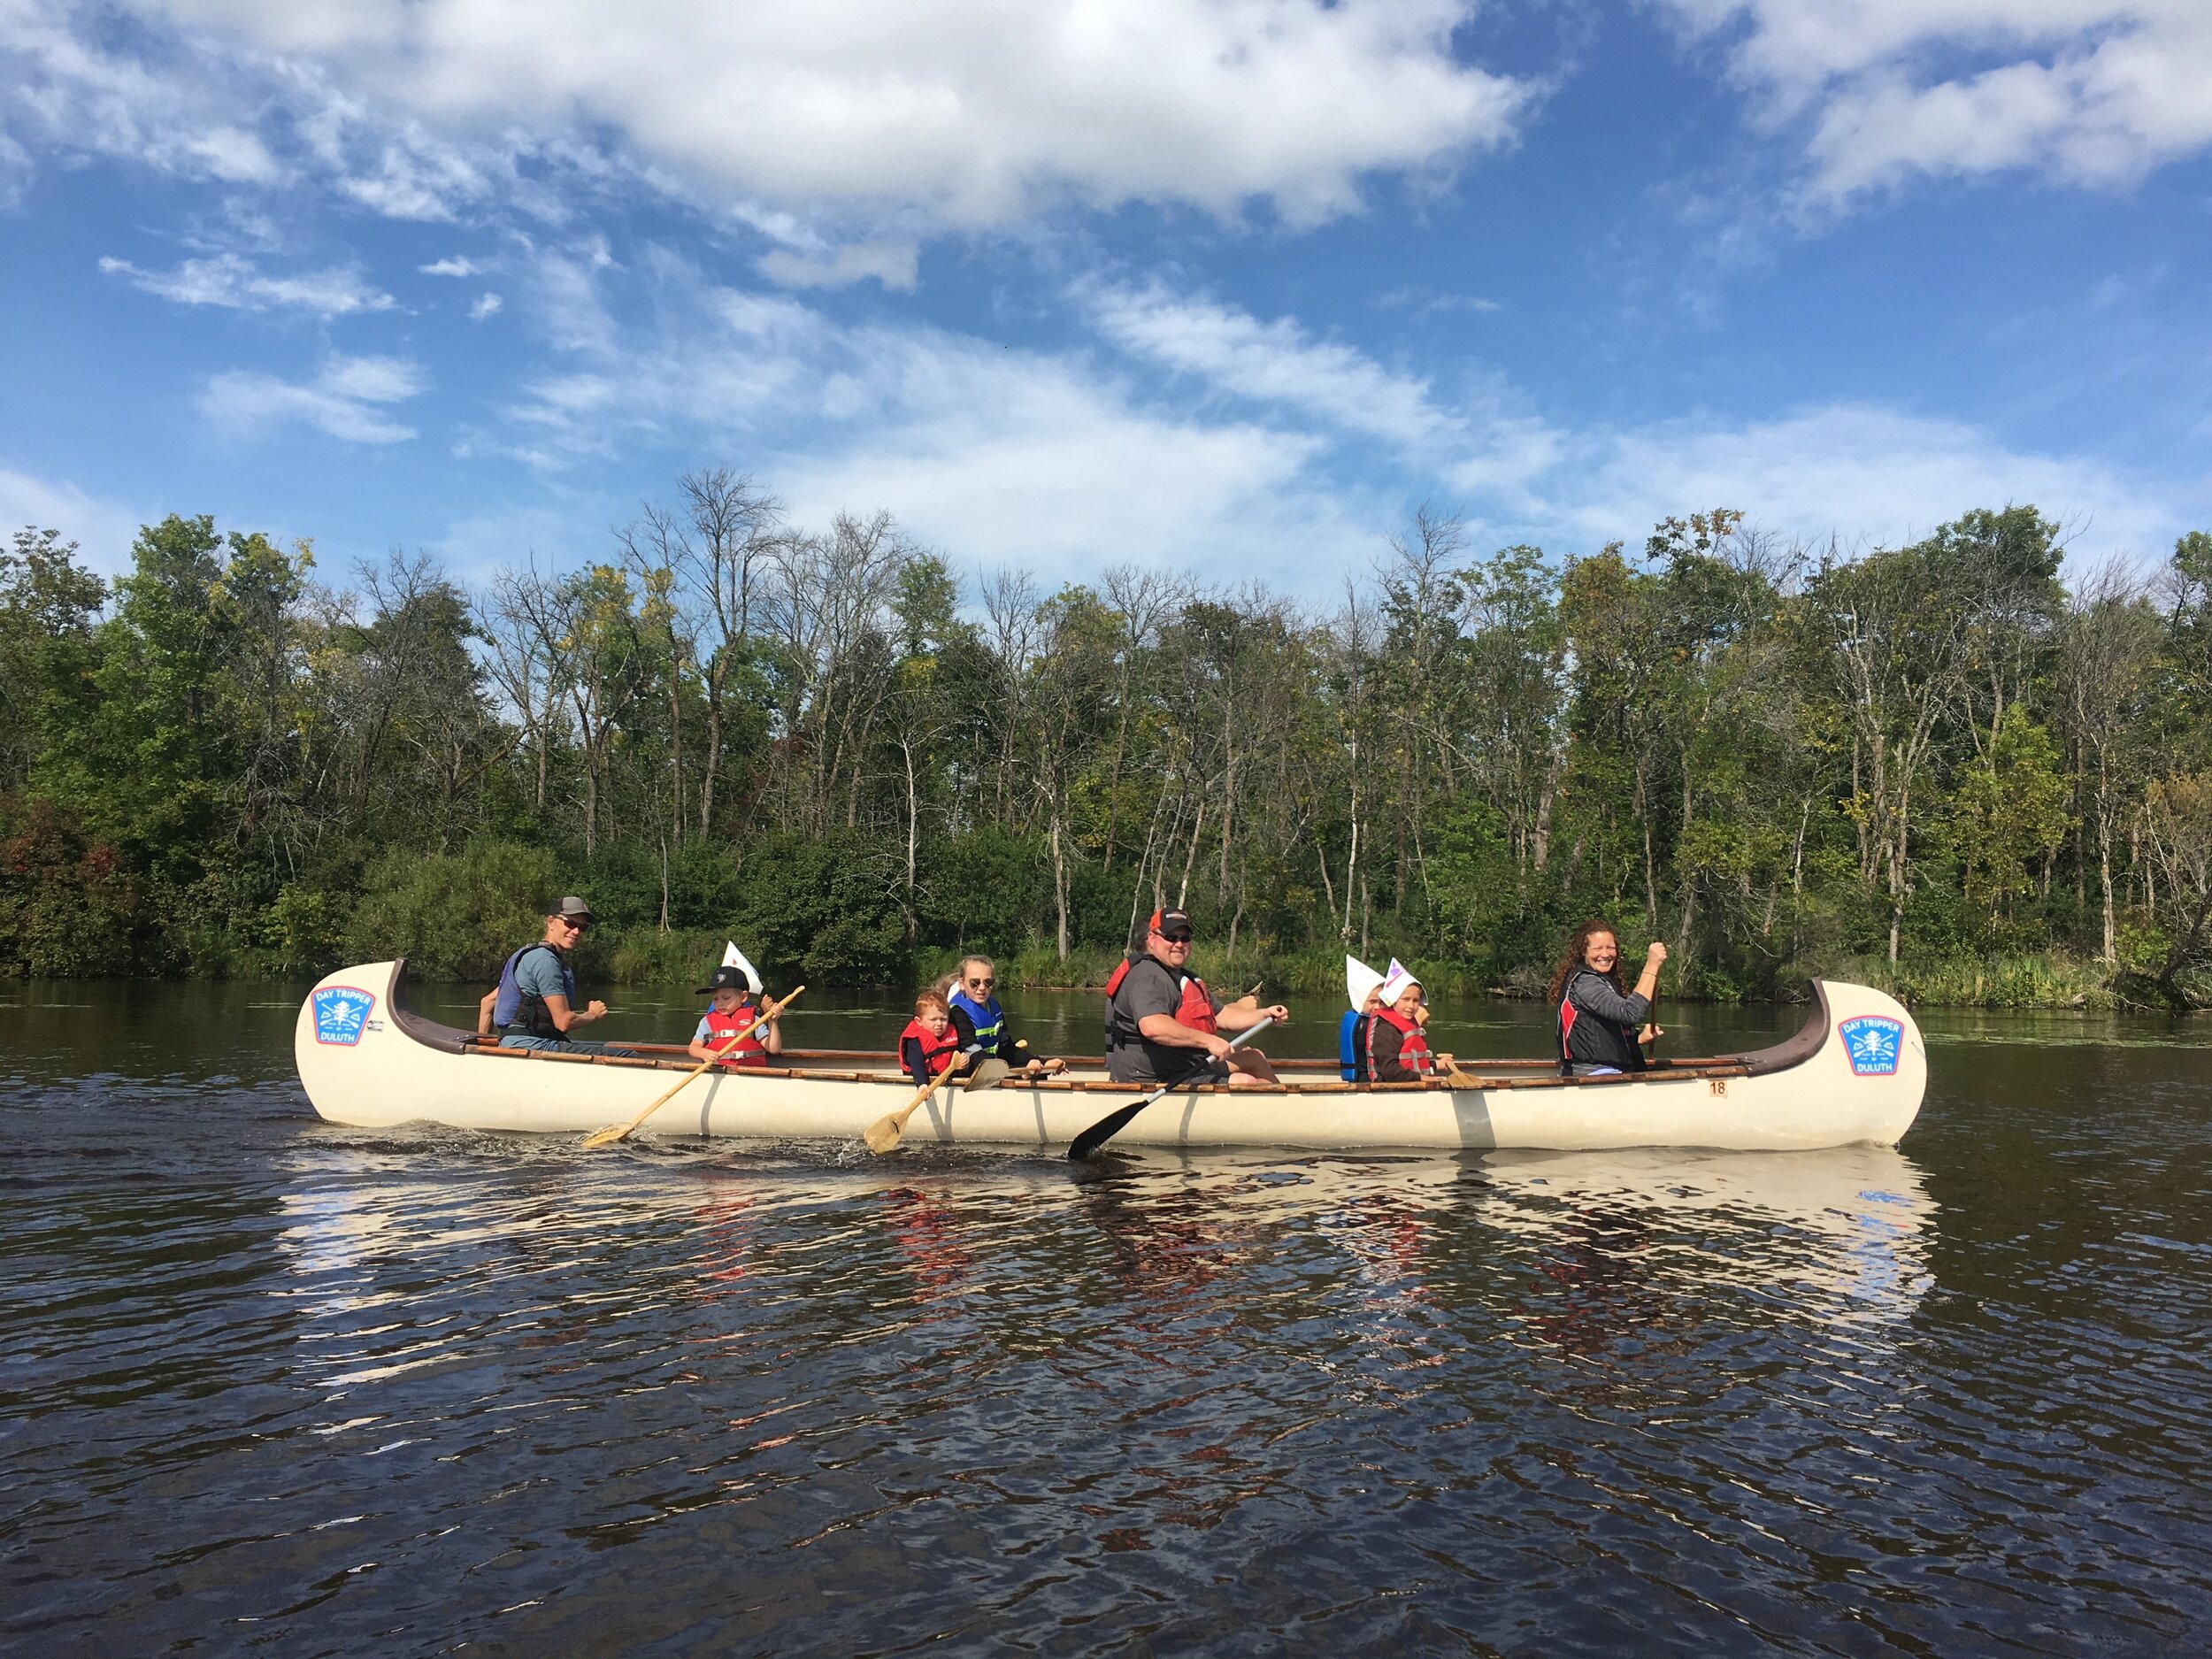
(1683, 1070)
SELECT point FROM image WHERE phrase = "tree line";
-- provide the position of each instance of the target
(1936, 765)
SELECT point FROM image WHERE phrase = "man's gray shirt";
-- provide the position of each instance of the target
(1152, 987)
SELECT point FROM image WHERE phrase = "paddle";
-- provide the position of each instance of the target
(1651, 1018)
(1454, 1074)
(883, 1134)
(1051, 1067)
(1107, 1127)
(613, 1133)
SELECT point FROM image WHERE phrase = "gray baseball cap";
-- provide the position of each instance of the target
(571, 906)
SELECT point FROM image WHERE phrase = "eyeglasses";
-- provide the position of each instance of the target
(572, 925)
(981, 985)
(1176, 939)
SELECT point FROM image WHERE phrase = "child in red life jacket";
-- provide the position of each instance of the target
(1397, 1046)
(929, 1043)
(730, 1029)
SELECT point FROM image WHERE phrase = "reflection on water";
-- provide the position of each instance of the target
(268, 1381)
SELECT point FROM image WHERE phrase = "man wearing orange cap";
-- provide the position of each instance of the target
(1162, 1025)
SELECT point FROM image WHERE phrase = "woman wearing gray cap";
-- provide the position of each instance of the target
(535, 1006)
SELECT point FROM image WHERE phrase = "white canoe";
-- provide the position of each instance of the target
(1855, 1073)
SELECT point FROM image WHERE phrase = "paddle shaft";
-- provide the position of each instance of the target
(1107, 1127)
(884, 1133)
(603, 1138)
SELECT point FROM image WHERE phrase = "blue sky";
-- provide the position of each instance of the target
(1230, 286)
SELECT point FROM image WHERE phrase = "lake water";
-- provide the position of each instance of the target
(269, 1385)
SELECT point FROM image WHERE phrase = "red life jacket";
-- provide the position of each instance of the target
(937, 1052)
(1196, 1008)
(748, 1049)
(1413, 1046)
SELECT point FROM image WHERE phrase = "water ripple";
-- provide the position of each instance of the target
(270, 1382)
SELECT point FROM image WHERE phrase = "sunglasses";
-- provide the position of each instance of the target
(981, 985)
(572, 925)
(1176, 939)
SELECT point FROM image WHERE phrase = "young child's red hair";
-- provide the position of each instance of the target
(929, 1000)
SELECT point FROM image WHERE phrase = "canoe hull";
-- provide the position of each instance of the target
(366, 1061)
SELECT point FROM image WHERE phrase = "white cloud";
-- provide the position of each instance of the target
(1004, 457)
(566, 302)
(1487, 439)
(414, 177)
(1273, 362)
(78, 81)
(1424, 302)
(230, 280)
(993, 454)
(2085, 91)
(891, 263)
(454, 266)
(103, 530)
(346, 399)
(971, 112)
(1848, 469)
(16, 172)
(1857, 471)
(486, 304)
(1063, 462)
(477, 545)
(62, 86)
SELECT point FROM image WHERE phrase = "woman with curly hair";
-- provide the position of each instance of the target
(1597, 1019)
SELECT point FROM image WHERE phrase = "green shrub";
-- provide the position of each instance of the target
(824, 910)
(308, 928)
(645, 955)
(68, 909)
(455, 916)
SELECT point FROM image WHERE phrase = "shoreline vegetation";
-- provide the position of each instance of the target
(1950, 769)
(2044, 979)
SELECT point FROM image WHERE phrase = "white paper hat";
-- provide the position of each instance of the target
(1359, 980)
(732, 957)
(1395, 981)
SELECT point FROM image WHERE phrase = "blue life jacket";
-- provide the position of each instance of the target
(529, 1015)
(989, 1019)
(1348, 1046)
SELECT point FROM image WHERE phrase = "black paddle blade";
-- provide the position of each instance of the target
(1104, 1130)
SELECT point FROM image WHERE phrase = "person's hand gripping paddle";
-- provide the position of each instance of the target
(1107, 1127)
(613, 1133)
(883, 1134)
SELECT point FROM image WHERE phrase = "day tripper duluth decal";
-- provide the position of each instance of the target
(1873, 1041)
(340, 1011)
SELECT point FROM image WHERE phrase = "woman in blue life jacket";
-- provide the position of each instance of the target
(1597, 1021)
(535, 1004)
(981, 1025)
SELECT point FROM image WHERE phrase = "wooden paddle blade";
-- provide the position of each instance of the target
(884, 1134)
(608, 1136)
(1104, 1130)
